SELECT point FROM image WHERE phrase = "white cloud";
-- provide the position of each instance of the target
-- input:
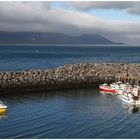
(132, 7)
(40, 17)
(88, 5)
(135, 10)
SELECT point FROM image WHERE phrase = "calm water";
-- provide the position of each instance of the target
(76, 113)
(33, 57)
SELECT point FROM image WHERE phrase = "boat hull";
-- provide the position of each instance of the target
(129, 99)
(107, 90)
(2, 110)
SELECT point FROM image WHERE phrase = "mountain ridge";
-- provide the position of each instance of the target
(53, 38)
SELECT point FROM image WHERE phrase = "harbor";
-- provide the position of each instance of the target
(69, 70)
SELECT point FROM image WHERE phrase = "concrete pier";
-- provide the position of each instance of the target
(70, 76)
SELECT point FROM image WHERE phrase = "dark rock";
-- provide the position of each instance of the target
(71, 75)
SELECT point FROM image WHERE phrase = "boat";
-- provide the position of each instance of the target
(116, 88)
(2, 108)
(131, 96)
(107, 89)
(119, 86)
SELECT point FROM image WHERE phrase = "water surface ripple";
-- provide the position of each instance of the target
(75, 113)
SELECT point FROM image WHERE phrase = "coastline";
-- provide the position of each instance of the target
(69, 76)
(77, 45)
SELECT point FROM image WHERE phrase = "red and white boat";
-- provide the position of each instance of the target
(107, 89)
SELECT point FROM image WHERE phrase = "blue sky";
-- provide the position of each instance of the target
(118, 21)
(114, 14)
(111, 14)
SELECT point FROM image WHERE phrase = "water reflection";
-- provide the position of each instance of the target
(127, 107)
(90, 95)
(47, 95)
(131, 108)
(73, 113)
(3, 115)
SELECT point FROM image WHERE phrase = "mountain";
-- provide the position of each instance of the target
(52, 38)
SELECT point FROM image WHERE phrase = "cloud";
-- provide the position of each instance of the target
(135, 10)
(42, 17)
(132, 7)
(88, 5)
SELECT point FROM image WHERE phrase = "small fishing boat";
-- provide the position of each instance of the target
(107, 89)
(2, 108)
(119, 86)
(132, 97)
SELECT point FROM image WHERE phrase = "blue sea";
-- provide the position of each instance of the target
(73, 113)
(26, 57)
(69, 113)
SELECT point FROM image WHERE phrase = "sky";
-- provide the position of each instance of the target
(118, 21)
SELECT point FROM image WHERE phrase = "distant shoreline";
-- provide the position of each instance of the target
(69, 45)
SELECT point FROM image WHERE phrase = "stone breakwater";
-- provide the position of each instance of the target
(69, 76)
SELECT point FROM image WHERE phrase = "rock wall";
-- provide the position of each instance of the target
(69, 76)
